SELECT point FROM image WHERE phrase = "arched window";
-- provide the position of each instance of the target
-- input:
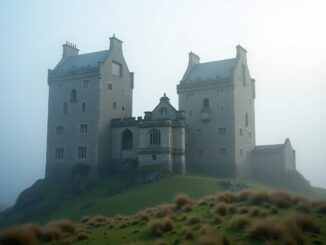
(154, 137)
(247, 120)
(114, 106)
(206, 103)
(127, 140)
(163, 111)
(73, 95)
(83, 107)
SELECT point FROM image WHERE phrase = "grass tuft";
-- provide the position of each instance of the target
(17, 235)
(240, 223)
(221, 208)
(181, 200)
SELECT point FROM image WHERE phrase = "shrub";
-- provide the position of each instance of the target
(17, 236)
(216, 220)
(226, 197)
(258, 198)
(305, 222)
(303, 207)
(181, 200)
(85, 219)
(64, 225)
(255, 212)
(163, 210)
(167, 224)
(274, 210)
(143, 216)
(221, 208)
(240, 223)
(50, 233)
(194, 220)
(82, 236)
(232, 209)
(244, 210)
(186, 208)
(187, 233)
(321, 208)
(156, 227)
(281, 199)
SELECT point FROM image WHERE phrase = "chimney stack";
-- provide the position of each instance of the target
(69, 49)
(115, 43)
(193, 59)
(241, 52)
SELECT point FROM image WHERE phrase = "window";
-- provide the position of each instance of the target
(246, 119)
(60, 88)
(199, 132)
(82, 152)
(163, 111)
(244, 75)
(65, 108)
(110, 86)
(83, 107)
(221, 131)
(206, 103)
(241, 152)
(154, 137)
(222, 108)
(73, 95)
(58, 153)
(127, 139)
(114, 106)
(199, 154)
(123, 108)
(116, 69)
(85, 83)
(240, 131)
(154, 157)
(83, 128)
(59, 130)
(222, 151)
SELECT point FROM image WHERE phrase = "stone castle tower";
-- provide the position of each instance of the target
(85, 93)
(218, 99)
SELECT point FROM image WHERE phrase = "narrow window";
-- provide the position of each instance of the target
(154, 137)
(110, 86)
(82, 152)
(241, 152)
(59, 130)
(246, 119)
(244, 75)
(240, 131)
(83, 128)
(83, 107)
(163, 111)
(221, 131)
(58, 153)
(154, 157)
(73, 95)
(65, 108)
(60, 88)
(222, 151)
(123, 108)
(116, 69)
(222, 108)
(114, 106)
(85, 83)
(206, 103)
(127, 140)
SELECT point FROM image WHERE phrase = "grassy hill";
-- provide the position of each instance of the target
(246, 217)
(114, 195)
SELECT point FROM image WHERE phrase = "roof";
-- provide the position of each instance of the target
(83, 60)
(220, 68)
(268, 147)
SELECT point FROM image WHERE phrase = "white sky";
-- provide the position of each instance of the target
(285, 40)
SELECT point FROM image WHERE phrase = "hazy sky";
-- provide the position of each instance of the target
(285, 40)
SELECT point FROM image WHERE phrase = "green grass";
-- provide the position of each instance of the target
(115, 195)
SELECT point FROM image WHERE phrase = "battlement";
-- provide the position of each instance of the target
(125, 121)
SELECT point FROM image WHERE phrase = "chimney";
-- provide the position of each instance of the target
(241, 52)
(69, 49)
(115, 43)
(193, 59)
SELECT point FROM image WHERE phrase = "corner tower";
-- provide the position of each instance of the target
(218, 100)
(86, 91)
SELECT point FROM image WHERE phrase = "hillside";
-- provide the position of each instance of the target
(48, 200)
(245, 217)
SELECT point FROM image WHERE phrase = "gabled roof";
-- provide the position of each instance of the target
(83, 60)
(214, 69)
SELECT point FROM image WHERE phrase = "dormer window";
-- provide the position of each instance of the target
(163, 111)
(73, 95)
(116, 69)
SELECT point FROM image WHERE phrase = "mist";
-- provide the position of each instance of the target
(286, 48)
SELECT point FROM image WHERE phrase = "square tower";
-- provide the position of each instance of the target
(85, 93)
(218, 100)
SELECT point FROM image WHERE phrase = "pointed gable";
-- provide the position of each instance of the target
(164, 110)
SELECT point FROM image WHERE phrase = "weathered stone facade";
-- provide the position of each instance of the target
(90, 119)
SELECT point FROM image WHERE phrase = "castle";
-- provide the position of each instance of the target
(90, 119)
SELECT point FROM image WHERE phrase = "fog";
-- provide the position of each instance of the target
(286, 48)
